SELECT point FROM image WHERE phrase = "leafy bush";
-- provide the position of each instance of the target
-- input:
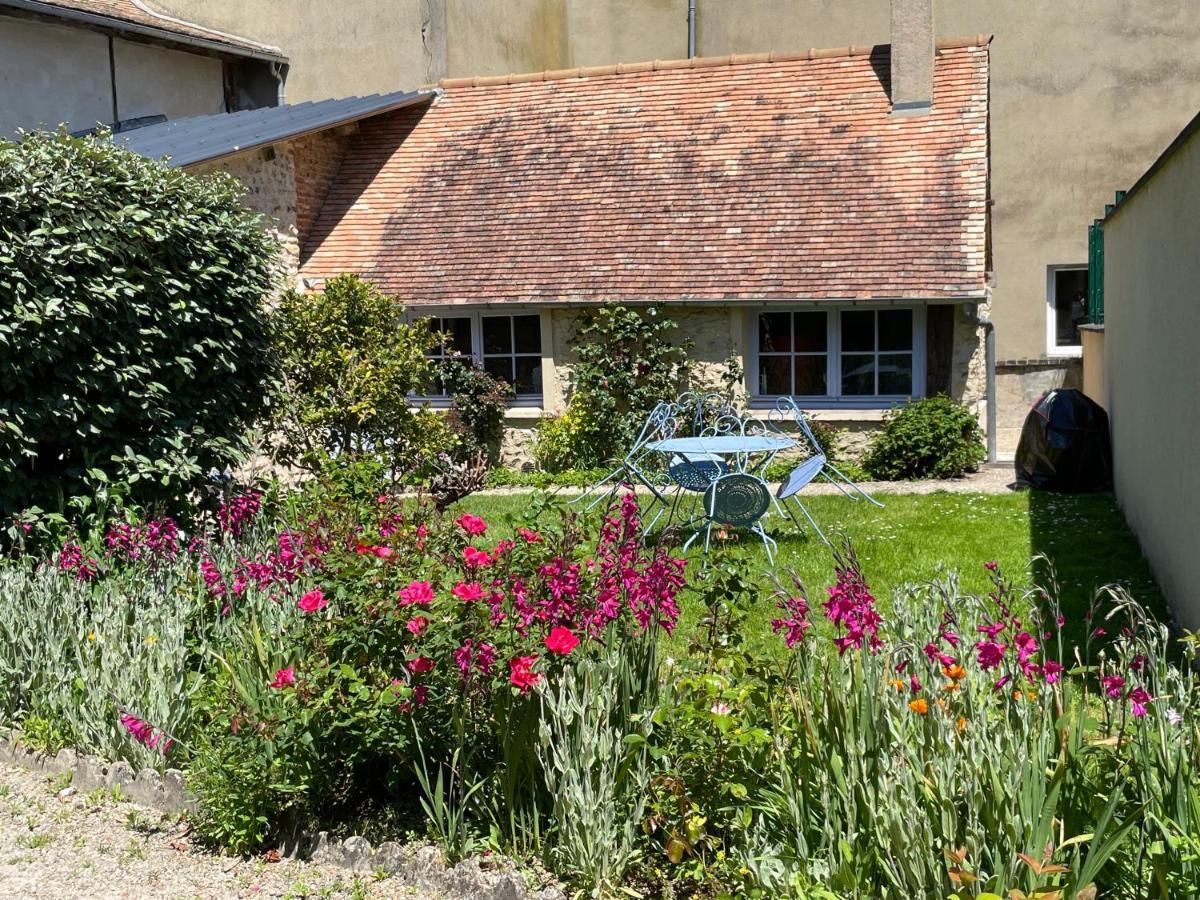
(627, 363)
(350, 364)
(133, 345)
(480, 400)
(502, 477)
(933, 437)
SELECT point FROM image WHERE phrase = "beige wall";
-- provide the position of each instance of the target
(1151, 333)
(51, 74)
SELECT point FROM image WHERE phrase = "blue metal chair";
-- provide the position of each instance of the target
(797, 480)
(660, 424)
(786, 407)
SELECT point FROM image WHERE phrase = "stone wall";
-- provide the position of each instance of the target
(1019, 384)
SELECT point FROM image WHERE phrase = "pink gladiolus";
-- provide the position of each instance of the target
(1098, 632)
(312, 601)
(416, 625)
(991, 566)
(1139, 698)
(143, 732)
(990, 654)
(283, 678)
(1138, 663)
(560, 640)
(468, 591)
(914, 684)
(794, 622)
(1113, 685)
(418, 592)
(521, 674)
(992, 630)
(1052, 671)
(472, 525)
(421, 694)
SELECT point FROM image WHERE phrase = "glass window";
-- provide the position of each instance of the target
(508, 347)
(877, 353)
(456, 342)
(793, 354)
(1068, 301)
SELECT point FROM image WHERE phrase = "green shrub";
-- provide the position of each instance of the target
(570, 441)
(350, 364)
(133, 346)
(480, 400)
(934, 437)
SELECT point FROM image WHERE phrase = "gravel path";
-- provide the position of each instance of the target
(57, 844)
(990, 479)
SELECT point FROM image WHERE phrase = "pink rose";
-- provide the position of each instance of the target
(560, 640)
(283, 678)
(468, 591)
(417, 624)
(312, 601)
(472, 525)
(475, 557)
(418, 592)
(421, 664)
(521, 673)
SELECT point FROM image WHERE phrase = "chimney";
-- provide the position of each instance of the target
(912, 57)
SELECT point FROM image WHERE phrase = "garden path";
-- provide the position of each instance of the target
(56, 843)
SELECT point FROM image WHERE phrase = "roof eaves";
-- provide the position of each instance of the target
(232, 47)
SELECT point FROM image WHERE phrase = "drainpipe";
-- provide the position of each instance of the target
(691, 29)
(989, 356)
(277, 74)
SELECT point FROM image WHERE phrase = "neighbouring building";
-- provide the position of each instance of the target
(1079, 102)
(120, 64)
(1142, 361)
(782, 208)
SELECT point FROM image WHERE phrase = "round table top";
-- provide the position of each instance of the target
(724, 443)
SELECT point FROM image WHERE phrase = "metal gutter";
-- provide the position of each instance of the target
(165, 35)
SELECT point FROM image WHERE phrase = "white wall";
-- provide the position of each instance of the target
(1152, 370)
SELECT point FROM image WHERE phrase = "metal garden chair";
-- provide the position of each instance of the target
(661, 423)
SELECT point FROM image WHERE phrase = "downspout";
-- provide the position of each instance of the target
(989, 364)
(691, 29)
(277, 74)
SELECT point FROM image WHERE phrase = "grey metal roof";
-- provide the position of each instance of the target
(206, 138)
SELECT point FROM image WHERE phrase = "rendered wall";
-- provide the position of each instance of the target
(52, 74)
(1152, 372)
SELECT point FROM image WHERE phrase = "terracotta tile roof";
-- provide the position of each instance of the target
(774, 176)
(141, 15)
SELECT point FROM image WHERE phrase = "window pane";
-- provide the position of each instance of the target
(858, 375)
(1070, 306)
(528, 375)
(810, 376)
(775, 333)
(499, 366)
(497, 334)
(458, 330)
(895, 373)
(895, 329)
(858, 331)
(774, 375)
(811, 334)
(528, 332)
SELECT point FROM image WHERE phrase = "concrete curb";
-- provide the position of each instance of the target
(417, 866)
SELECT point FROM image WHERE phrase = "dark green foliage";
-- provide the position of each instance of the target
(628, 362)
(133, 345)
(480, 400)
(929, 438)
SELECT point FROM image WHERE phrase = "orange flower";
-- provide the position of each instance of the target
(950, 686)
(898, 684)
(919, 706)
(961, 724)
(955, 671)
(940, 704)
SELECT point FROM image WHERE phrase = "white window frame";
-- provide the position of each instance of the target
(833, 362)
(477, 316)
(1052, 348)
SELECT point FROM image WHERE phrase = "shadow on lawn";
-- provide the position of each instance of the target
(1087, 545)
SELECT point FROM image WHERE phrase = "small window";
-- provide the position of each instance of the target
(877, 353)
(1068, 306)
(509, 347)
(793, 354)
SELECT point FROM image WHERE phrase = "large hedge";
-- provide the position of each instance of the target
(133, 340)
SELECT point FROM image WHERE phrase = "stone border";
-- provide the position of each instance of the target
(420, 866)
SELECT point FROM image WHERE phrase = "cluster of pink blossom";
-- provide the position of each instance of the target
(851, 608)
(991, 651)
(794, 622)
(1114, 687)
(146, 734)
(239, 513)
(73, 561)
(155, 541)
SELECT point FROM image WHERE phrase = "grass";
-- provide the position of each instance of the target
(1083, 537)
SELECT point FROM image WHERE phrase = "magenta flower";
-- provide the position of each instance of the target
(1138, 663)
(312, 601)
(991, 566)
(990, 654)
(421, 664)
(468, 591)
(1113, 685)
(530, 537)
(794, 622)
(476, 558)
(1052, 671)
(521, 674)
(1139, 698)
(418, 592)
(472, 525)
(416, 625)
(561, 640)
(283, 678)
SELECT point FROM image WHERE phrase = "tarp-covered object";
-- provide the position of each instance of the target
(1065, 444)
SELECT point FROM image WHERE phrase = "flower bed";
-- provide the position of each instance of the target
(321, 662)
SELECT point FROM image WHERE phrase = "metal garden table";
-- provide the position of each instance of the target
(725, 467)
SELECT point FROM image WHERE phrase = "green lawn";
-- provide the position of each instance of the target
(1085, 538)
